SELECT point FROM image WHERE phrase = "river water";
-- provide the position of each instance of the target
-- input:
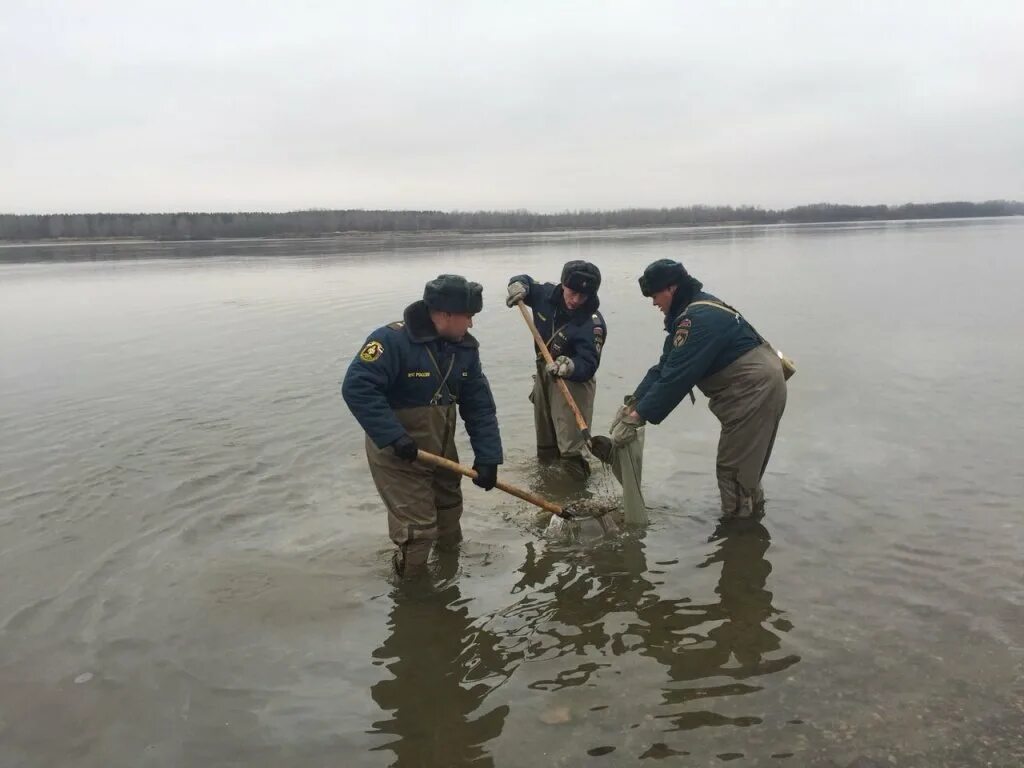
(195, 563)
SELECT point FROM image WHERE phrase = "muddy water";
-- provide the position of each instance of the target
(194, 562)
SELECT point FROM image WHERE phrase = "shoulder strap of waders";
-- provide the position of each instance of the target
(436, 398)
(726, 308)
(788, 366)
(720, 304)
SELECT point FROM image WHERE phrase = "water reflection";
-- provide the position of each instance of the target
(740, 641)
(569, 593)
(577, 610)
(608, 603)
(443, 666)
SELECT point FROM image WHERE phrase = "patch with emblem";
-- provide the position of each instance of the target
(599, 331)
(372, 351)
(684, 323)
(680, 338)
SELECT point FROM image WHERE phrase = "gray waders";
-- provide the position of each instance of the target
(424, 503)
(558, 436)
(748, 396)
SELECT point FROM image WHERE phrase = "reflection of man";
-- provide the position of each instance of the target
(563, 605)
(581, 594)
(443, 667)
(738, 627)
(403, 388)
(694, 642)
(567, 319)
(745, 605)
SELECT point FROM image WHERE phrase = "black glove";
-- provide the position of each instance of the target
(405, 448)
(486, 475)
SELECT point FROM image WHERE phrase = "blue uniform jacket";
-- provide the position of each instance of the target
(394, 370)
(578, 335)
(700, 342)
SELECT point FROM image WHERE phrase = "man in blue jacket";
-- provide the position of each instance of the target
(403, 387)
(711, 346)
(567, 319)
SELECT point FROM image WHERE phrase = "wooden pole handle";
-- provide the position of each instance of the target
(546, 353)
(540, 501)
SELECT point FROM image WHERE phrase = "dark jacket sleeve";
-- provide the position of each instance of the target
(586, 355)
(652, 373)
(652, 376)
(476, 406)
(366, 385)
(682, 367)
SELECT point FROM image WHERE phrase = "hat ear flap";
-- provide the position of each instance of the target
(474, 298)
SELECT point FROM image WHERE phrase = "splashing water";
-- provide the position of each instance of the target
(592, 521)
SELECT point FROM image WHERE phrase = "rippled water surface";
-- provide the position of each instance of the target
(194, 562)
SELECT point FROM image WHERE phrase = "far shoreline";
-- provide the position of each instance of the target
(66, 242)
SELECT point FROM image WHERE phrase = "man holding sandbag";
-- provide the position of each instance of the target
(711, 346)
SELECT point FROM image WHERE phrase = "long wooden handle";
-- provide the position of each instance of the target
(540, 501)
(580, 421)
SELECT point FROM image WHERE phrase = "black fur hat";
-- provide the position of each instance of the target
(581, 276)
(660, 274)
(453, 293)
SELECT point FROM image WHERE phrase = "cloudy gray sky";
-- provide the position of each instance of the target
(153, 106)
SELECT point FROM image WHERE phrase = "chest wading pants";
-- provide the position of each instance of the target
(558, 436)
(424, 503)
(748, 397)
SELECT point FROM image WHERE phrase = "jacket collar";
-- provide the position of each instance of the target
(421, 330)
(687, 292)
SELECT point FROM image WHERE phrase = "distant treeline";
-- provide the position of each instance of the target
(205, 226)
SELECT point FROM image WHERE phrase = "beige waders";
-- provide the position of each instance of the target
(424, 503)
(748, 396)
(558, 435)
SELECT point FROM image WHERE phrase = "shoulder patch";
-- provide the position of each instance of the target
(371, 351)
(681, 333)
(684, 322)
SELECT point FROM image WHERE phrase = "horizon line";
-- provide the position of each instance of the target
(518, 211)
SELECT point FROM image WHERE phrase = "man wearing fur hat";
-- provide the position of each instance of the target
(403, 387)
(711, 346)
(567, 318)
